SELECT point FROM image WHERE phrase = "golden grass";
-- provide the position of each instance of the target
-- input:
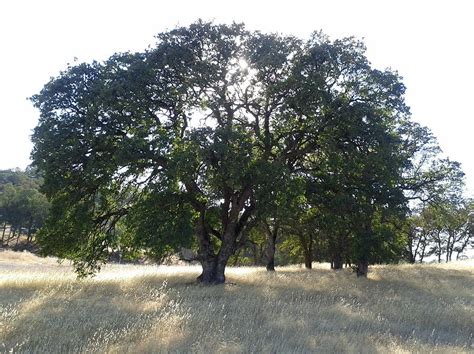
(422, 308)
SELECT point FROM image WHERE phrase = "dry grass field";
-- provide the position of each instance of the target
(422, 308)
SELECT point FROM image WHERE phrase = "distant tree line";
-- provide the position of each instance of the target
(241, 145)
(23, 208)
(442, 230)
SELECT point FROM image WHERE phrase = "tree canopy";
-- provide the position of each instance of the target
(192, 140)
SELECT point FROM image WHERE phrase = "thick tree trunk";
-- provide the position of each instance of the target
(206, 256)
(226, 251)
(209, 269)
(234, 215)
(362, 268)
(213, 269)
(213, 266)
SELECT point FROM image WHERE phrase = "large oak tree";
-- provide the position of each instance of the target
(189, 137)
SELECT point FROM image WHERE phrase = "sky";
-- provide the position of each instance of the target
(430, 44)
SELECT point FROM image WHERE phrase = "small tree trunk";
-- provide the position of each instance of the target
(11, 236)
(30, 236)
(338, 252)
(307, 250)
(237, 255)
(271, 245)
(308, 261)
(3, 233)
(337, 261)
(310, 252)
(254, 250)
(18, 237)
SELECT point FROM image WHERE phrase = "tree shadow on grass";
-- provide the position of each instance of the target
(288, 311)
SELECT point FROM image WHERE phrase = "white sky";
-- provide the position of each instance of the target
(430, 43)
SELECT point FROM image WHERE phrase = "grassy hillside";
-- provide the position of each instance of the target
(159, 309)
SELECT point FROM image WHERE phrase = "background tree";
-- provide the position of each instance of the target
(443, 229)
(23, 208)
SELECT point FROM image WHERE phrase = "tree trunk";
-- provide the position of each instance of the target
(307, 250)
(271, 245)
(209, 271)
(339, 250)
(236, 260)
(233, 222)
(206, 255)
(337, 261)
(11, 236)
(213, 266)
(411, 256)
(254, 254)
(3, 234)
(362, 268)
(213, 269)
(18, 237)
(308, 261)
(271, 262)
(29, 235)
(226, 251)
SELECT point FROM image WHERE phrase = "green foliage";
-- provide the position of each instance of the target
(161, 223)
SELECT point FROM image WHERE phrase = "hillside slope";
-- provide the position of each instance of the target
(160, 309)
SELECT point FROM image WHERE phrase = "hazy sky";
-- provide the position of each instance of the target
(430, 43)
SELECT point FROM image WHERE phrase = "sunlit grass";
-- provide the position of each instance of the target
(422, 308)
